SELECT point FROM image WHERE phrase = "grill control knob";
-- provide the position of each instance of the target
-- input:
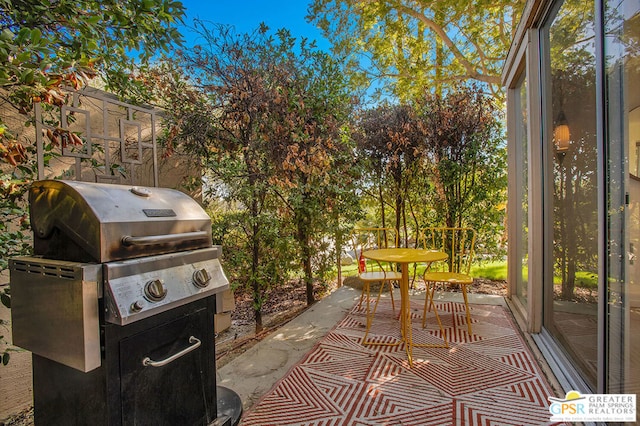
(201, 278)
(137, 306)
(154, 290)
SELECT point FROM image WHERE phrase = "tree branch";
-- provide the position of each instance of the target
(472, 72)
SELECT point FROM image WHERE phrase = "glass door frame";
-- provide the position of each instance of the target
(525, 65)
(515, 184)
(603, 234)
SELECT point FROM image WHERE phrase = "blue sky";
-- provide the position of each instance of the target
(246, 16)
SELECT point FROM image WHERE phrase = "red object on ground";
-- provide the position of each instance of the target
(362, 264)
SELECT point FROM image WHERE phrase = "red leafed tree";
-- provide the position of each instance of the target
(265, 115)
(390, 141)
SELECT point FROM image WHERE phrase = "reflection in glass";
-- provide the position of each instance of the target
(622, 73)
(571, 295)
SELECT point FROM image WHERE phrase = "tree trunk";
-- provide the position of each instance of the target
(568, 285)
(338, 243)
(382, 213)
(255, 286)
(415, 224)
(404, 220)
(255, 260)
(303, 238)
(439, 18)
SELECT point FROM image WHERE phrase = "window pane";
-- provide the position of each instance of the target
(570, 129)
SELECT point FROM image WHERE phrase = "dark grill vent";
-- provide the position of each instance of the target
(56, 271)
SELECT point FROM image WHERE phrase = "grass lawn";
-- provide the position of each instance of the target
(494, 270)
(497, 271)
(488, 270)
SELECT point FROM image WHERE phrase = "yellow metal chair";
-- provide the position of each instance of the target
(459, 244)
(370, 271)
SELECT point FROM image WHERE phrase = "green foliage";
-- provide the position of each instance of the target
(440, 160)
(390, 146)
(314, 167)
(45, 43)
(467, 166)
(15, 235)
(47, 47)
(14, 223)
(409, 45)
(275, 251)
(265, 114)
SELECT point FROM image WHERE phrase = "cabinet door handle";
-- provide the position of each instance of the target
(195, 344)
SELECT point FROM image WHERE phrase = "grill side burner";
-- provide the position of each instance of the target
(117, 306)
(58, 300)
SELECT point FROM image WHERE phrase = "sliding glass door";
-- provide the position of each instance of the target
(570, 296)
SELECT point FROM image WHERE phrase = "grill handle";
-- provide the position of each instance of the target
(128, 240)
(148, 362)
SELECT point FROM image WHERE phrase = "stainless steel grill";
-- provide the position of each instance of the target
(117, 304)
(89, 222)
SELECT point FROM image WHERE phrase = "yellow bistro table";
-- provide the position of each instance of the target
(405, 256)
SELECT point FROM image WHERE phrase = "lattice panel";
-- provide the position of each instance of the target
(97, 138)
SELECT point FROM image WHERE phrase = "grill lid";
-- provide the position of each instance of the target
(85, 222)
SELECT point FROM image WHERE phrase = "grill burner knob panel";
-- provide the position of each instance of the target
(155, 290)
(171, 279)
(201, 278)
